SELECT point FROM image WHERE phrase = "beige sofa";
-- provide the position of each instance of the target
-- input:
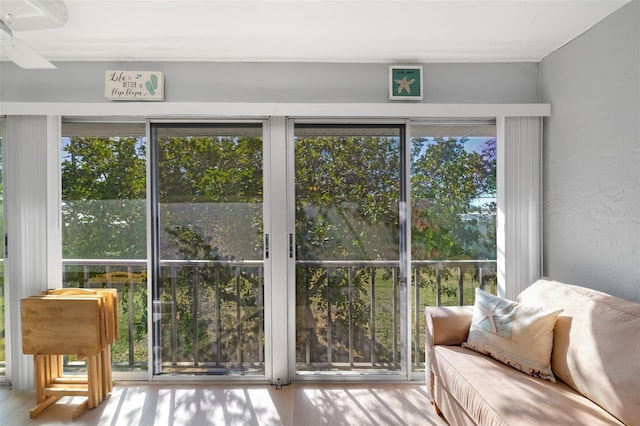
(595, 359)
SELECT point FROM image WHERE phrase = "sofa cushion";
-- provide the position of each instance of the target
(494, 394)
(516, 334)
(596, 344)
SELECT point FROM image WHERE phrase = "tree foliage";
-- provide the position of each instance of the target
(210, 169)
(347, 193)
(447, 180)
(103, 194)
(211, 186)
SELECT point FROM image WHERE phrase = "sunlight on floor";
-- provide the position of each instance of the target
(215, 404)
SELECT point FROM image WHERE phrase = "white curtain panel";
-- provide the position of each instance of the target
(519, 204)
(32, 225)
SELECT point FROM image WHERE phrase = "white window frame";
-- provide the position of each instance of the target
(277, 113)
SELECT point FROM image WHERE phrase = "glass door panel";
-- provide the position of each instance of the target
(104, 244)
(453, 218)
(347, 236)
(3, 370)
(208, 288)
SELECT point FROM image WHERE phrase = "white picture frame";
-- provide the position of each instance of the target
(405, 82)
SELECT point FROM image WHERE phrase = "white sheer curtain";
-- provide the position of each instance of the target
(32, 204)
(519, 204)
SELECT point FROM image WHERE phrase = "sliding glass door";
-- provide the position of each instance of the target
(367, 227)
(348, 279)
(208, 286)
(366, 260)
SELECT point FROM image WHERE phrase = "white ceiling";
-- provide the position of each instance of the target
(392, 31)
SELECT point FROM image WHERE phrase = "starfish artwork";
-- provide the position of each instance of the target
(405, 84)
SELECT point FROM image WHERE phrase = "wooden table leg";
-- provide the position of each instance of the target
(44, 366)
(92, 397)
(35, 411)
(39, 367)
(79, 409)
(107, 380)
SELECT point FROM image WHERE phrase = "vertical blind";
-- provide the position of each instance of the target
(520, 204)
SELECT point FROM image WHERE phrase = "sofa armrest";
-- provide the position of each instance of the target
(445, 326)
(448, 325)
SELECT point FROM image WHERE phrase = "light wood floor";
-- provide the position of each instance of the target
(198, 404)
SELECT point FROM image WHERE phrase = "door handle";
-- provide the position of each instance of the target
(266, 246)
(291, 246)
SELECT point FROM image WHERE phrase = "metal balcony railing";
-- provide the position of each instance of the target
(353, 308)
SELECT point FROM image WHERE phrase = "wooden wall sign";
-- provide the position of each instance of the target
(134, 86)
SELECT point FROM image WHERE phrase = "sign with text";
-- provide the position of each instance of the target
(134, 86)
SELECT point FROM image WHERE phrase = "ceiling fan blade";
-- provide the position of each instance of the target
(23, 55)
(26, 15)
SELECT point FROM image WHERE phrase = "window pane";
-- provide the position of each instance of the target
(453, 218)
(104, 225)
(211, 284)
(347, 183)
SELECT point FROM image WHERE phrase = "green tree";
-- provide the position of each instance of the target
(446, 182)
(213, 186)
(103, 195)
(347, 194)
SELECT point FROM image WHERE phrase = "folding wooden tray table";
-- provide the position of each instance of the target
(70, 322)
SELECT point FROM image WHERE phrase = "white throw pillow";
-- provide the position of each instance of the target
(518, 335)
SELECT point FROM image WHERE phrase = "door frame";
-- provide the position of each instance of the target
(153, 260)
(404, 256)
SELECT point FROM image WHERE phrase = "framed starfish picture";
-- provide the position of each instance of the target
(405, 82)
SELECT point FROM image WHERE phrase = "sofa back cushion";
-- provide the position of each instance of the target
(596, 344)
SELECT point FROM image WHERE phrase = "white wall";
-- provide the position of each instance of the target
(592, 157)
